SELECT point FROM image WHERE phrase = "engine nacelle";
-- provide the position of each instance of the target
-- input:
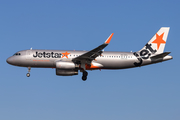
(65, 65)
(66, 72)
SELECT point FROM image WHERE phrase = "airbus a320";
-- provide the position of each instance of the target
(68, 63)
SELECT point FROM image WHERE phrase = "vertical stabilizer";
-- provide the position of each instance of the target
(158, 41)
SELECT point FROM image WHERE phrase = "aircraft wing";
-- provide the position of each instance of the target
(91, 55)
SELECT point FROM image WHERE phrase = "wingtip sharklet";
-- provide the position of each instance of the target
(109, 39)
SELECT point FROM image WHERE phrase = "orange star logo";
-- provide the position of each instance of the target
(159, 40)
(65, 54)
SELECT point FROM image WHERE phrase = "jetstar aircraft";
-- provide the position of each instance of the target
(68, 63)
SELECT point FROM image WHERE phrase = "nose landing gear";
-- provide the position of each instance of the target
(84, 77)
(28, 74)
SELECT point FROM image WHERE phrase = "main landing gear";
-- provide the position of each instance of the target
(84, 77)
(28, 74)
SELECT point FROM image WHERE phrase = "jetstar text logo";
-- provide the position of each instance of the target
(50, 55)
(47, 55)
(146, 53)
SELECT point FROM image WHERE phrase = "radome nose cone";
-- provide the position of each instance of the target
(9, 60)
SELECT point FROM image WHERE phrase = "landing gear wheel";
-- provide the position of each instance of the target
(28, 74)
(84, 78)
(85, 73)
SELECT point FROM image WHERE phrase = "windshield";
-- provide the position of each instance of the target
(17, 54)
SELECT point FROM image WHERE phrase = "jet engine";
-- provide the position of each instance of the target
(66, 68)
(65, 65)
(66, 72)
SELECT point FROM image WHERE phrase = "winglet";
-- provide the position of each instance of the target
(109, 39)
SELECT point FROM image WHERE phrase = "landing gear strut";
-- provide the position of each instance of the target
(28, 74)
(84, 77)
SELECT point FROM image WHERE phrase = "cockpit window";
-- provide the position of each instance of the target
(16, 54)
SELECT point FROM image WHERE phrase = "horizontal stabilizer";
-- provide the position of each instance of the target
(162, 55)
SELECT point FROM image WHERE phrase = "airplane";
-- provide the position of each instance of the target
(70, 62)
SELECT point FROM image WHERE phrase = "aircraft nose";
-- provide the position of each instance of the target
(10, 60)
